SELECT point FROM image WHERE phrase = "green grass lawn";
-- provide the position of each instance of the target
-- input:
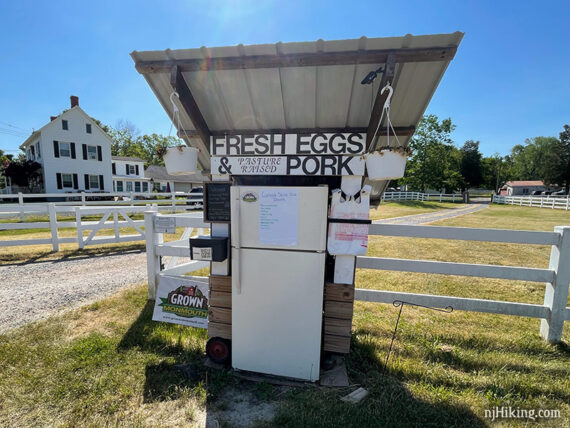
(404, 208)
(109, 364)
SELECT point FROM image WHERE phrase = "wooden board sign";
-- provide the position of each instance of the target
(288, 165)
(275, 144)
(217, 202)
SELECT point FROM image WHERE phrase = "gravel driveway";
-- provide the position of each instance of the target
(35, 290)
(434, 216)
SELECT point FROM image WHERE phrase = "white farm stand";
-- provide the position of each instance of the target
(297, 114)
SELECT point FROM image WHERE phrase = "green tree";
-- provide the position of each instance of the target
(540, 158)
(471, 169)
(435, 161)
(565, 143)
(494, 171)
(127, 141)
(24, 173)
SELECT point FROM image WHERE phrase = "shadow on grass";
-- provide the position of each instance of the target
(86, 253)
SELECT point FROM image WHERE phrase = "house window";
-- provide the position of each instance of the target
(129, 186)
(145, 186)
(38, 150)
(131, 169)
(67, 180)
(64, 125)
(137, 186)
(93, 181)
(88, 128)
(119, 186)
(92, 152)
(64, 150)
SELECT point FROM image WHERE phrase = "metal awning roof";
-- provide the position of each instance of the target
(292, 86)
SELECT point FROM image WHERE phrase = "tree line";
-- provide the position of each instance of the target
(438, 164)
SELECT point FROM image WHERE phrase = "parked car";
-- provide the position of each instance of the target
(536, 193)
(560, 193)
(196, 199)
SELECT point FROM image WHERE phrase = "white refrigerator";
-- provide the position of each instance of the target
(278, 238)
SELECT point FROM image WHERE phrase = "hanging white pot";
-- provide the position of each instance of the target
(181, 160)
(385, 165)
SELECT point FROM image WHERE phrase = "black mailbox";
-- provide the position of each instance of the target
(209, 248)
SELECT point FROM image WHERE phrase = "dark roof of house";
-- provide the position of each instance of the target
(159, 173)
(127, 158)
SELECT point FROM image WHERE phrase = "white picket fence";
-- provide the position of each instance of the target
(22, 207)
(553, 312)
(157, 249)
(418, 196)
(113, 218)
(561, 203)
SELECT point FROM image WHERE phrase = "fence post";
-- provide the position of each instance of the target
(21, 205)
(78, 226)
(152, 260)
(556, 293)
(83, 198)
(53, 226)
(567, 202)
(132, 199)
(173, 196)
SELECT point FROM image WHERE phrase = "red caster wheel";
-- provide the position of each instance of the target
(218, 350)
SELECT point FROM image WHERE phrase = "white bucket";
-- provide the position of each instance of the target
(181, 160)
(385, 165)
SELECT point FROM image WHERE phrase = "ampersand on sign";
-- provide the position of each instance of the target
(224, 168)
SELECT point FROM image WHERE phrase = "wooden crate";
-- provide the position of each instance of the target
(216, 329)
(220, 307)
(221, 283)
(338, 344)
(223, 315)
(337, 321)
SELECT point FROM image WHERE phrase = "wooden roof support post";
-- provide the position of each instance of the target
(191, 108)
(387, 77)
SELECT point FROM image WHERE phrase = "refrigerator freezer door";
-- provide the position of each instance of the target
(292, 218)
(277, 317)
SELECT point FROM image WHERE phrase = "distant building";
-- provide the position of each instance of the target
(164, 182)
(128, 175)
(74, 152)
(513, 188)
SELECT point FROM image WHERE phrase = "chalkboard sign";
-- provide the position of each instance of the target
(217, 202)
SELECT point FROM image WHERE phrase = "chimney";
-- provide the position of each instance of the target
(74, 101)
(52, 118)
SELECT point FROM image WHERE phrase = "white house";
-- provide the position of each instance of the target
(514, 188)
(164, 182)
(129, 176)
(75, 153)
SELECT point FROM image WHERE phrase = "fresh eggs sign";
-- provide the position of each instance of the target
(288, 154)
(181, 301)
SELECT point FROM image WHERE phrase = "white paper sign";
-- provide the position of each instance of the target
(288, 165)
(202, 253)
(181, 301)
(164, 224)
(279, 217)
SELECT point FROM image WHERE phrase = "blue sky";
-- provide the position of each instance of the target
(510, 79)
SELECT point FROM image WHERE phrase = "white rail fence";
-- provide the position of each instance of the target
(418, 196)
(113, 218)
(553, 312)
(561, 203)
(157, 249)
(20, 205)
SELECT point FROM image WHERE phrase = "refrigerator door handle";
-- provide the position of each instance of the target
(236, 242)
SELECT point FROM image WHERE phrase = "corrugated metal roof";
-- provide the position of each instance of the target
(289, 97)
(524, 183)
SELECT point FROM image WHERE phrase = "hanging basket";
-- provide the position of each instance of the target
(181, 160)
(385, 165)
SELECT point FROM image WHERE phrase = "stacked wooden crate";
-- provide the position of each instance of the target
(337, 321)
(220, 310)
